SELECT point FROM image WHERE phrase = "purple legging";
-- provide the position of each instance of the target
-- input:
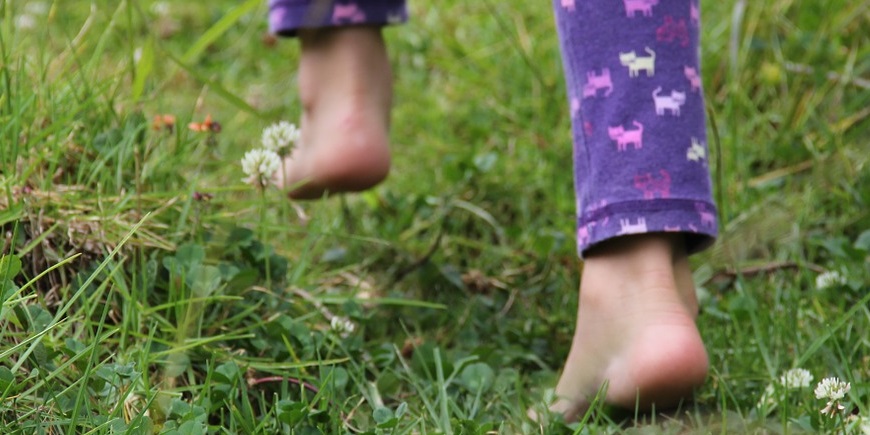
(637, 108)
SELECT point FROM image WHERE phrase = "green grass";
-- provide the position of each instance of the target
(130, 304)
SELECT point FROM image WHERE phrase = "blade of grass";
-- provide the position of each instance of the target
(33, 341)
(217, 30)
(215, 86)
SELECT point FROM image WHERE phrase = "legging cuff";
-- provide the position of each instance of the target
(286, 17)
(695, 219)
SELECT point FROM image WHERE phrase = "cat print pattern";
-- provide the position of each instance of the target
(652, 187)
(696, 152)
(348, 14)
(641, 84)
(636, 63)
(627, 227)
(673, 30)
(596, 82)
(636, 105)
(668, 103)
(624, 137)
(287, 17)
(645, 7)
(693, 77)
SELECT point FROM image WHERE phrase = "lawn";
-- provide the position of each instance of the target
(146, 288)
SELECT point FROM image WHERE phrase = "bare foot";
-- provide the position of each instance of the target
(345, 85)
(636, 329)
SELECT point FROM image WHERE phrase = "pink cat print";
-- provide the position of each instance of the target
(595, 82)
(583, 233)
(624, 137)
(642, 6)
(693, 77)
(651, 186)
(347, 13)
(671, 103)
(707, 218)
(694, 13)
(569, 5)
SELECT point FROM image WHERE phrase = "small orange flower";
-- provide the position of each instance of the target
(199, 196)
(207, 125)
(163, 122)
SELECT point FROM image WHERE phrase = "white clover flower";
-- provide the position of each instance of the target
(832, 388)
(280, 137)
(796, 378)
(830, 279)
(260, 166)
(342, 326)
(768, 397)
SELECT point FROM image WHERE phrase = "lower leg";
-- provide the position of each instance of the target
(345, 86)
(635, 328)
(641, 197)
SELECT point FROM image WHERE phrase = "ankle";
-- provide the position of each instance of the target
(345, 63)
(647, 259)
(647, 271)
(639, 247)
(338, 38)
(345, 85)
